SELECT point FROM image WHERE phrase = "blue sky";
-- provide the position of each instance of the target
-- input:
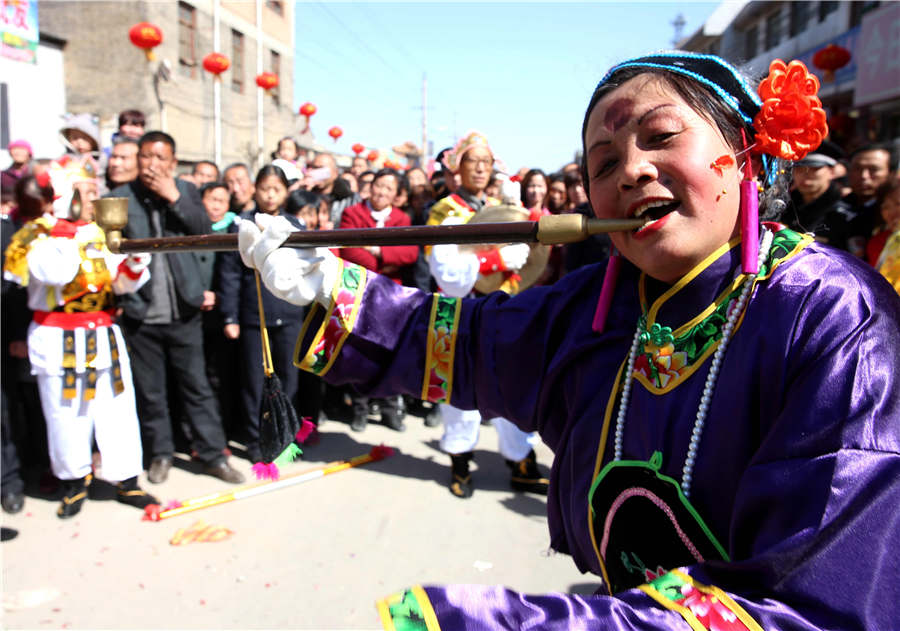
(521, 73)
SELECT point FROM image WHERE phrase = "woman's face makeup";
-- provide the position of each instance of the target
(649, 154)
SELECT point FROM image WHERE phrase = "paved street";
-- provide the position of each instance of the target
(312, 556)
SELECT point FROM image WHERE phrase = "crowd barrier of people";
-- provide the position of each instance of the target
(189, 331)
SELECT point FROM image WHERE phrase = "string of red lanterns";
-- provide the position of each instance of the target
(335, 132)
(216, 64)
(358, 148)
(831, 59)
(267, 80)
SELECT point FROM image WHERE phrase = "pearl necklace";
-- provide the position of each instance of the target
(708, 387)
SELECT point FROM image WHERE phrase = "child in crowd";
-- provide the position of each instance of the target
(236, 289)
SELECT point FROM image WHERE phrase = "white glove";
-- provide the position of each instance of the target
(515, 256)
(137, 263)
(296, 275)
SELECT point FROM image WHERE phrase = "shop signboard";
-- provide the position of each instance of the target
(878, 77)
(19, 30)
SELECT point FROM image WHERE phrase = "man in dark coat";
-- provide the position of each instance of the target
(162, 322)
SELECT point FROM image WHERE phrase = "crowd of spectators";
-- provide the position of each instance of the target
(193, 331)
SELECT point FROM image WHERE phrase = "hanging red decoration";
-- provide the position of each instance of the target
(373, 156)
(389, 164)
(335, 132)
(147, 36)
(831, 59)
(267, 80)
(216, 63)
(307, 110)
(357, 148)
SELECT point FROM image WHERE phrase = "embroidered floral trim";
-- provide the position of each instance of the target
(338, 323)
(791, 122)
(704, 607)
(668, 357)
(409, 610)
(437, 384)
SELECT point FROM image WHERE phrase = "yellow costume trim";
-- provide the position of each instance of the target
(686, 613)
(604, 433)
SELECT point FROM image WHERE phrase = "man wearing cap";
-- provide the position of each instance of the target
(816, 194)
(456, 273)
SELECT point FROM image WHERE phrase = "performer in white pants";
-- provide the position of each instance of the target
(456, 273)
(76, 351)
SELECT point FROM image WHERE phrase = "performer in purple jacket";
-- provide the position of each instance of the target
(721, 397)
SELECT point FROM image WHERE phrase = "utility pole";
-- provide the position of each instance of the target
(260, 133)
(678, 23)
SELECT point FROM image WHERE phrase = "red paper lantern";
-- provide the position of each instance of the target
(267, 80)
(147, 36)
(373, 156)
(307, 110)
(216, 63)
(830, 59)
(358, 148)
(335, 132)
(389, 164)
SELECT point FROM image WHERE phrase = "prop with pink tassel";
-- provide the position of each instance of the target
(154, 512)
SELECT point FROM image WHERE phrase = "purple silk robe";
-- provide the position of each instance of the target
(798, 472)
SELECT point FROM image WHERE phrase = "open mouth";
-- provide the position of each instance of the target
(654, 211)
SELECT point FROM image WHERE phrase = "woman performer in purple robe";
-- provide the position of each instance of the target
(721, 397)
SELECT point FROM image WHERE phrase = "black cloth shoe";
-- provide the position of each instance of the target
(460, 478)
(224, 472)
(159, 469)
(433, 417)
(130, 493)
(359, 422)
(394, 421)
(74, 492)
(13, 502)
(526, 477)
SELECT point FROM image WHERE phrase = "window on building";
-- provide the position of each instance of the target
(773, 30)
(859, 9)
(751, 42)
(187, 37)
(276, 5)
(275, 69)
(799, 17)
(827, 7)
(237, 61)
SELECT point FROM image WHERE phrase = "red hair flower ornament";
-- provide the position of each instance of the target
(791, 122)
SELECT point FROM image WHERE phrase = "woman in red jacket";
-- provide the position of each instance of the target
(378, 212)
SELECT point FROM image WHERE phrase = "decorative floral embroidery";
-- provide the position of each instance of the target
(409, 610)
(345, 299)
(667, 358)
(441, 345)
(709, 606)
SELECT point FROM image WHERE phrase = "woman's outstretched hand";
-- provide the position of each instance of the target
(296, 275)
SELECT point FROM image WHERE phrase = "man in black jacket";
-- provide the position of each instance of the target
(162, 322)
(816, 205)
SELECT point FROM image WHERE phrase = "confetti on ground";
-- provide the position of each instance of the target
(200, 531)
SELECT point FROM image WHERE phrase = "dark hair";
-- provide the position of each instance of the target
(269, 170)
(31, 197)
(209, 162)
(571, 179)
(125, 140)
(552, 179)
(291, 138)
(237, 165)
(157, 136)
(211, 186)
(879, 146)
(365, 173)
(132, 117)
(532, 173)
(301, 198)
(397, 177)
